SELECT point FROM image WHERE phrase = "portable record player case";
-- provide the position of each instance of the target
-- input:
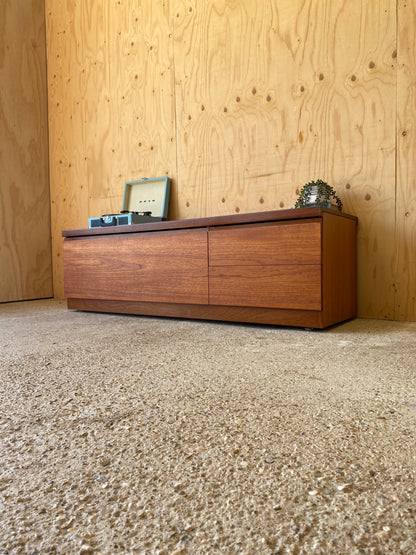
(145, 200)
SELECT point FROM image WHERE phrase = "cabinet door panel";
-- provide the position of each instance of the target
(285, 286)
(266, 244)
(152, 267)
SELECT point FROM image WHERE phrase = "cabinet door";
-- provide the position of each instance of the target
(272, 265)
(151, 267)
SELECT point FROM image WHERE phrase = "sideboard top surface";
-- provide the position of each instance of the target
(213, 221)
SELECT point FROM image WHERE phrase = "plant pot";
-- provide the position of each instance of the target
(318, 193)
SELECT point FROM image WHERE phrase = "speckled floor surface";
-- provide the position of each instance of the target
(123, 434)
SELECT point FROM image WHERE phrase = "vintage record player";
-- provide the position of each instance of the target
(146, 200)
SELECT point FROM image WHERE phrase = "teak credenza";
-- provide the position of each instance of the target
(292, 267)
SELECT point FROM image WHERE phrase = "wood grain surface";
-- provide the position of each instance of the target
(281, 317)
(25, 245)
(253, 269)
(241, 103)
(405, 260)
(339, 269)
(270, 95)
(111, 106)
(266, 244)
(158, 267)
(286, 286)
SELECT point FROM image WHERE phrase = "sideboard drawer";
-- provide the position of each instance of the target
(281, 286)
(163, 267)
(266, 244)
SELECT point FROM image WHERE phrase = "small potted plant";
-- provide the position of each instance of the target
(318, 193)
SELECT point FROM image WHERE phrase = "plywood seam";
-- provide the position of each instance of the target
(48, 170)
(175, 110)
(396, 160)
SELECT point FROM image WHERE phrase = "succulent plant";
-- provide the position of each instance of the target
(318, 193)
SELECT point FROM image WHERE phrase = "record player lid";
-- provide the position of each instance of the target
(147, 195)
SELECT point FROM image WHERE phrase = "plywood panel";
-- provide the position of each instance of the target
(25, 248)
(405, 261)
(111, 108)
(241, 103)
(272, 94)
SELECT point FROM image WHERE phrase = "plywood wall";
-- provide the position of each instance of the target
(273, 94)
(241, 103)
(405, 259)
(111, 106)
(25, 243)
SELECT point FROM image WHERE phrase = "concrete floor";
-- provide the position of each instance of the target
(122, 434)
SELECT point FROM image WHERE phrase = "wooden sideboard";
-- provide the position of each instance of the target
(286, 267)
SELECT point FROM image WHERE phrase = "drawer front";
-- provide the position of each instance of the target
(155, 267)
(266, 244)
(285, 286)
